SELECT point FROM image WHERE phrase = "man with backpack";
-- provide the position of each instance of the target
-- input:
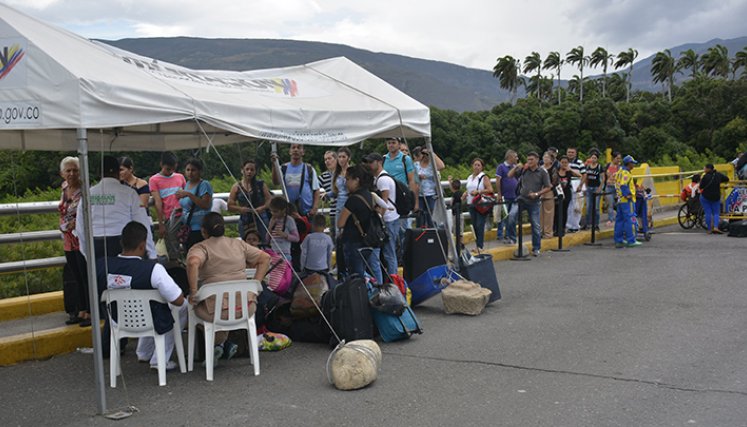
(399, 166)
(302, 188)
(386, 188)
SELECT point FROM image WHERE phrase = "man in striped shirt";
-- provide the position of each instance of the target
(325, 181)
(573, 224)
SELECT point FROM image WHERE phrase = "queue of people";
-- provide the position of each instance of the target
(398, 188)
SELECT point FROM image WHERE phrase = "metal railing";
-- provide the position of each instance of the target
(51, 235)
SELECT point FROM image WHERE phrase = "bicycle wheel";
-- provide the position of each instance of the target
(685, 217)
(701, 220)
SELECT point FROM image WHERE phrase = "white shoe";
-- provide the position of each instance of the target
(170, 366)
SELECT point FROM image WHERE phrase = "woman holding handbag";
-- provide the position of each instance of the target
(196, 199)
(478, 194)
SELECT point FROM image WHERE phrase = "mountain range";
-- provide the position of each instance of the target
(434, 83)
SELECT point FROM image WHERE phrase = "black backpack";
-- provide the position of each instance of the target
(404, 200)
(374, 233)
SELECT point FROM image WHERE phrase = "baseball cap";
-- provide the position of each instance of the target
(629, 159)
(374, 157)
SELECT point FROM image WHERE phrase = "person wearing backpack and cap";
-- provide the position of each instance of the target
(386, 187)
(399, 166)
(625, 223)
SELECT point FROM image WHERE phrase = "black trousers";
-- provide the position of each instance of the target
(75, 283)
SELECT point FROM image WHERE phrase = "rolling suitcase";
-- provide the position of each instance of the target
(394, 323)
(423, 249)
(346, 307)
(482, 272)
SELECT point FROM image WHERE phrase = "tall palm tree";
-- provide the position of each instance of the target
(600, 56)
(624, 59)
(576, 56)
(554, 61)
(506, 70)
(663, 69)
(716, 61)
(576, 84)
(740, 60)
(531, 63)
(689, 59)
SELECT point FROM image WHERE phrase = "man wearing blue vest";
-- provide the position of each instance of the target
(129, 270)
(301, 181)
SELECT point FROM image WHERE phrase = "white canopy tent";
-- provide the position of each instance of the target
(56, 86)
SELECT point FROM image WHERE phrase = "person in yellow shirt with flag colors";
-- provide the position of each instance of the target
(625, 222)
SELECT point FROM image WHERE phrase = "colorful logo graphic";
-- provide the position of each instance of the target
(9, 58)
(287, 86)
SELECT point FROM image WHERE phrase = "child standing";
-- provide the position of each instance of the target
(316, 249)
(282, 227)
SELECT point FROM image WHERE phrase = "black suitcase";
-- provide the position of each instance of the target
(482, 272)
(346, 307)
(423, 249)
(738, 229)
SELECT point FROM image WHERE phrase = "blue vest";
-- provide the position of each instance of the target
(138, 272)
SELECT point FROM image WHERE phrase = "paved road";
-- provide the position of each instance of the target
(653, 336)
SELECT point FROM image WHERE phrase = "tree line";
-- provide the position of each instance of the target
(714, 63)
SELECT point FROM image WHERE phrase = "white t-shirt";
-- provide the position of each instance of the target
(474, 183)
(386, 183)
(159, 280)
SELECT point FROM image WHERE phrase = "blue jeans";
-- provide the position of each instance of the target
(533, 209)
(509, 223)
(427, 204)
(625, 224)
(355, 263)
(478, 224)
(390, 247)
(609, 197)
(711, 209)
(591, 194)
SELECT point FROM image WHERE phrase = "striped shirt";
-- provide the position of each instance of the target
(325, 181)
(578, 166)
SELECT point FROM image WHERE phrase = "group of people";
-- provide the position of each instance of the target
(191, 232)
(552, 190)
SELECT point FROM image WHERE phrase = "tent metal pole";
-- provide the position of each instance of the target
(93, 295)
(441, 206)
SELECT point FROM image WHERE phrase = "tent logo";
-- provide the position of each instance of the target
(9, 58)
(286, 86)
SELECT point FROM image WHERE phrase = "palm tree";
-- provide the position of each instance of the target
(576, 56)
(600, 56)
(506, 70)
(663, 69)
(740, 60)
(689, 59)
(554, 61)
(576, 84)
(625, 58)
(531, 63)
(716, 61)
(540, 84)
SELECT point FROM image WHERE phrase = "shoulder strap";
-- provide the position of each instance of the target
(355, 218)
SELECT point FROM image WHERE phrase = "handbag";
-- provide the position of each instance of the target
(483, 203)
(375, 234)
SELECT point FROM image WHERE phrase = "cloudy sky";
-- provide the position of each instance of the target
(468, 32)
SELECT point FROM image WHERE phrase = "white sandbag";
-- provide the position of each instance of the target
(465, 297)
(354, 365)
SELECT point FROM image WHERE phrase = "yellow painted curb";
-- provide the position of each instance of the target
(20, 307)
(43, 344)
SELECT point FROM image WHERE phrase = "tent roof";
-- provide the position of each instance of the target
(53, 82)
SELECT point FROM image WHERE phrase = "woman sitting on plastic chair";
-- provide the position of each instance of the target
(216, 259)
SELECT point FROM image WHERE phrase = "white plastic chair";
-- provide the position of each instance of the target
(233, 322)
(135, 320)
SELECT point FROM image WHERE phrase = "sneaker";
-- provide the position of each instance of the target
(717, 231)
(535, 253)
(229, 350)
(170, 366)
(619, 245)
(634, 244)
(217, 354)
